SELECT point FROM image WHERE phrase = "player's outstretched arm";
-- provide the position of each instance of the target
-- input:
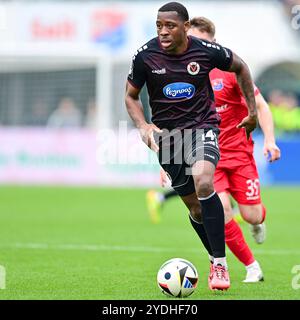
(240, 68)
(266, 123)
(135, 111)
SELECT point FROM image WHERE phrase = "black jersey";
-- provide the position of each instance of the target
(180, 93)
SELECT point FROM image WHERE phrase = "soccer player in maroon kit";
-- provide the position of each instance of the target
(175, 69)
(236, 173)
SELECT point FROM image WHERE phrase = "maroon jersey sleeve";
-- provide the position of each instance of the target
(137, 73)
(221, 57)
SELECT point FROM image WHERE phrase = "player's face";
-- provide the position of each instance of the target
(200, 34)
(172, 31)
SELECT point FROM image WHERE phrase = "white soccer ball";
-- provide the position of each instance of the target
(177, 278)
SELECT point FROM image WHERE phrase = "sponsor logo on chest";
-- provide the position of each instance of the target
(160, 71)
(217, 84)
(222, 108)
(179, 90)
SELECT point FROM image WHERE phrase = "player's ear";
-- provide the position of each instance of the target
(187, 26)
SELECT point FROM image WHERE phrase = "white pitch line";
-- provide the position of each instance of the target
(103, 247)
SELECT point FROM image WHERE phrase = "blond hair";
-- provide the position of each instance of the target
(204, 25)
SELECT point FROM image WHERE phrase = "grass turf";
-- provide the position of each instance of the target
(90, 243)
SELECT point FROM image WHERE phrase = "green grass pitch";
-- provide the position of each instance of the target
(94, 243)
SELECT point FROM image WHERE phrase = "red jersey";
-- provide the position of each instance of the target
(232, 108)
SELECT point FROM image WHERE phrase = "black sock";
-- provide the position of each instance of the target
(199, 228)
(170, 194)
(214, 225)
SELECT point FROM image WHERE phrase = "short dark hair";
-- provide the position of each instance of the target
(178, 7)
(204, 25)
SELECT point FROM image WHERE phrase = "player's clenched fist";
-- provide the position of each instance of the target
(271, 151)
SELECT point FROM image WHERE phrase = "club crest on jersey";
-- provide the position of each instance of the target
(217, 84)
(193, 68)
(179, 90)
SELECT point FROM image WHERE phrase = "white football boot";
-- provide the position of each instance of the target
(254, 273)
(258, 232)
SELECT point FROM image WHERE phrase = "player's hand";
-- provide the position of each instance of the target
(271, 151)
(146, 133)
(163, 178)
(249, 123)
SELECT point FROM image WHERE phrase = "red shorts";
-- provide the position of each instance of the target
(241, 181)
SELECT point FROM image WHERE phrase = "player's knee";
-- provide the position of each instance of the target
(252, 220)
(204, 186)
(252, 215)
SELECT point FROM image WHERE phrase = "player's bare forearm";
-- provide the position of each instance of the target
(265, 118)
(246, 84)
(134, 106)
(135, 111)
(240, 68)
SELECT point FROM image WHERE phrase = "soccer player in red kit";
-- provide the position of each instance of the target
(236, 173)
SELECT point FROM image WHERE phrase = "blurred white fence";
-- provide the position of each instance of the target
(52, 50)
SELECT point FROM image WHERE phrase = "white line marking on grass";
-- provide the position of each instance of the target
(103, 247)
(85, 247)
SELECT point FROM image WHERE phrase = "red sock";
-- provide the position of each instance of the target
(264, 211)
(237, 244)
